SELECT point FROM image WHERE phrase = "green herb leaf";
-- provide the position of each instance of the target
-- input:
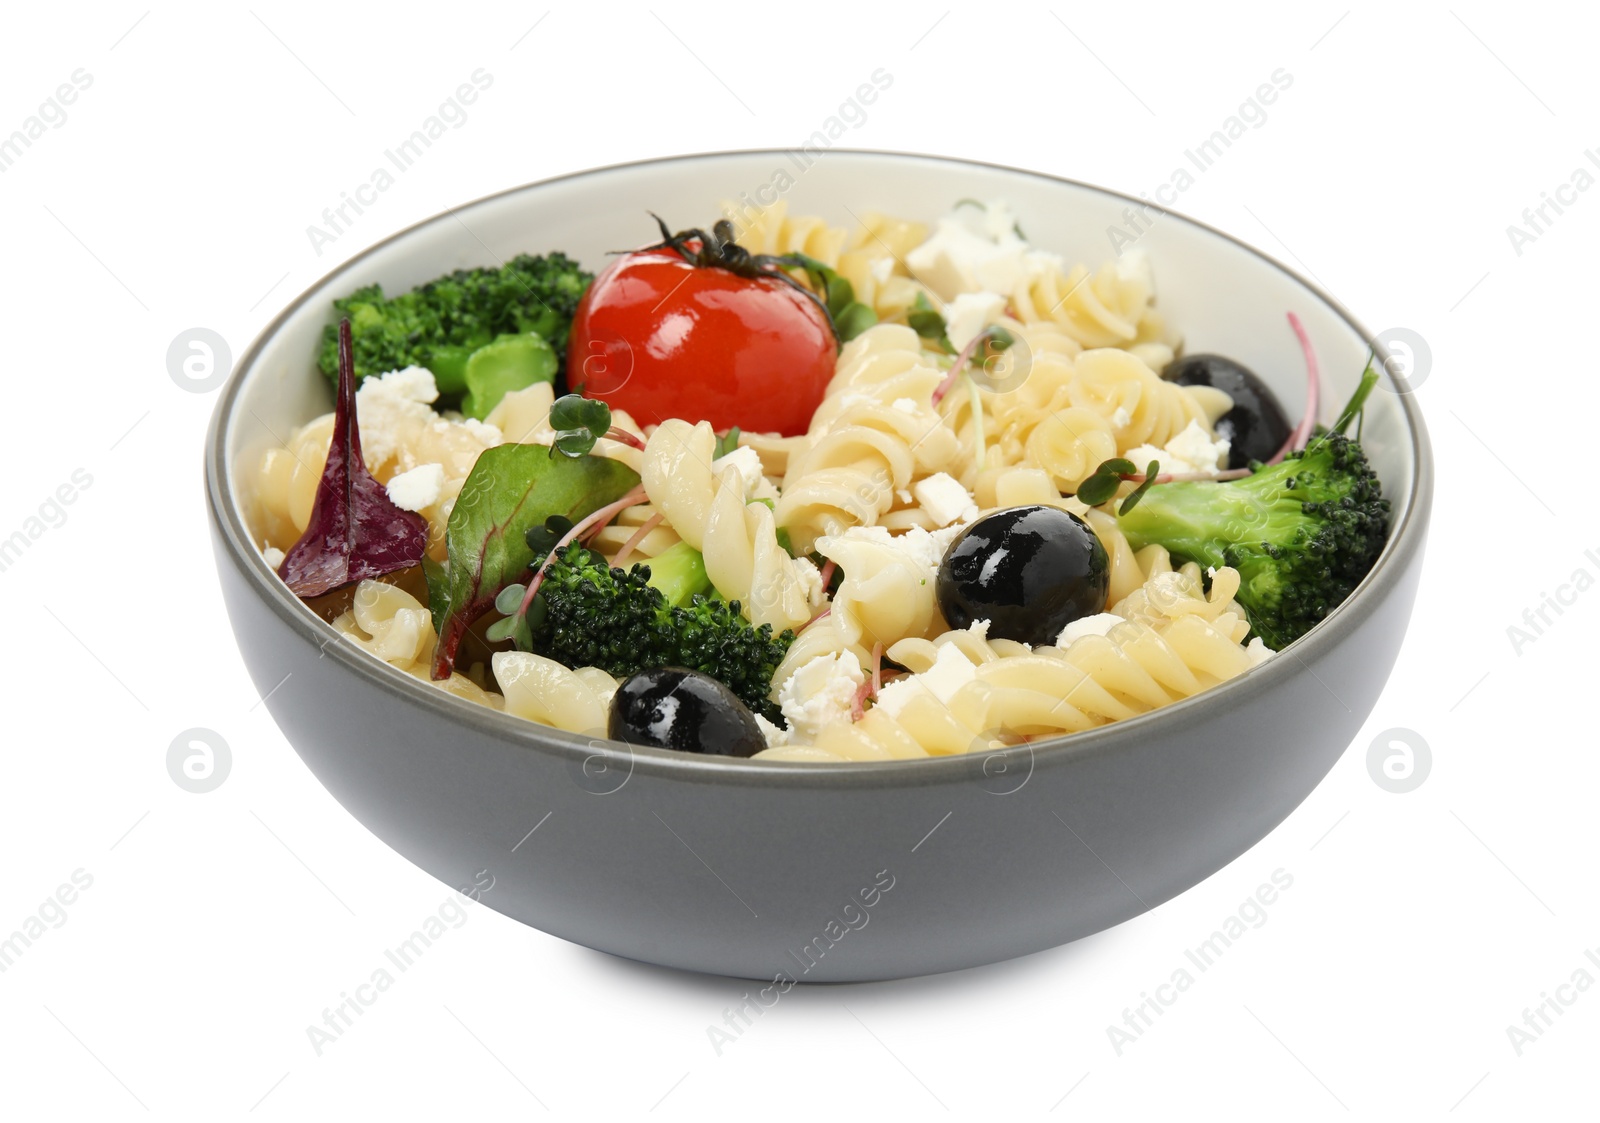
(1358, 401)
(924, 318)
(543, 538)
(853, 319)
(850, 317)
(1137, 494)
(438, 577)
(726, 443)
(1103, 484)
(578, 422)
(510, 599)
(513, 488)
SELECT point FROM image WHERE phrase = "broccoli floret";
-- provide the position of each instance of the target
(440, 324)
(656, 615)
(1302, 533)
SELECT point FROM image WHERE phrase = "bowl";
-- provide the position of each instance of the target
(822, 873)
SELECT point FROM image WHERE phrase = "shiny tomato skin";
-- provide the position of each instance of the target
(659, 338)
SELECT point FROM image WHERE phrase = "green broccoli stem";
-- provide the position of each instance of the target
(1193, 519)
(678, 573)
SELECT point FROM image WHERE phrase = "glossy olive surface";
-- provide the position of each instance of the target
(676, 708)
(1029, 571)
(1256, 427)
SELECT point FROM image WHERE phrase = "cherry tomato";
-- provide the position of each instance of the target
(659, 336)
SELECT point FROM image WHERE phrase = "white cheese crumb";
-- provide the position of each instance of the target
(969, 313)
(906, 405)
(747, 461)
(944, 499)
(1122, 418)
(1259, 652)
(903, 495)
(977, 249)
(488, 435)
(776, 738)
(1190, 451)
(413, 384)
(418, 488)
(273, 557)
(810, 578)
(951, 671)
(1096, 625)
(821, 692)
(883, 269)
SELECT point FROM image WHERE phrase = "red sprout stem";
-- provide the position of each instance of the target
(616, 433)
(638, 536)
(955, 368)
(869, 688)
(815, 618)
(826, 573)
(594, 518)
(1302, 432)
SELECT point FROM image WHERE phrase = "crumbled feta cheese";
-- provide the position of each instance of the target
(1096, 625)
(944, 499)
(418, 488)
(747, 461)
(390, 407)
(1259, 652)
(951, 671)
(810, 578)
(273, 557)
(906, 405)
(488, 435)
(776, 738)
(1190, 451)
(1196, 448)
(821, 692)
(1122, 418)
(903, 495)
(883, 269)
(413, 384)
(926, 549)
(979, 628)
(969, 313)
(977, 249)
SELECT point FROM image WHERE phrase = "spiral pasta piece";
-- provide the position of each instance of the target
(1109, 307)
(886, 595)
(707, 507)
(391, 624)
(542, 690)
(874, 432)
(1133, 669)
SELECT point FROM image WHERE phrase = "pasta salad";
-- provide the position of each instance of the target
(787, 490)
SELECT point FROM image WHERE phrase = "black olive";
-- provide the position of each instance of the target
(1256, 427)
(1029, 571)
(676, 708)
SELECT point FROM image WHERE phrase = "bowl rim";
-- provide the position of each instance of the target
(1405, 540)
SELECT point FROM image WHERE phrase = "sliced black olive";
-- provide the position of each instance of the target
(676, 708)
(1256, 427)
(1029, 571)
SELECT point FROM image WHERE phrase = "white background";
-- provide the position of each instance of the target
(218, 927)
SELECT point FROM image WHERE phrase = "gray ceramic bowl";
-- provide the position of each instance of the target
(822, 873)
